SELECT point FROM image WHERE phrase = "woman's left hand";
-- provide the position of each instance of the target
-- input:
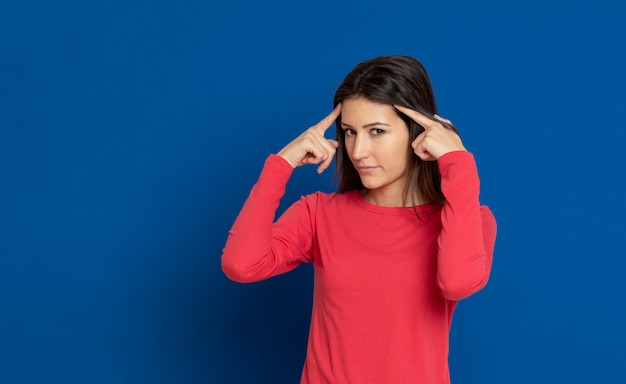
(436, 140)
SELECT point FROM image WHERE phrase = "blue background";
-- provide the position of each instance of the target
(132, 131)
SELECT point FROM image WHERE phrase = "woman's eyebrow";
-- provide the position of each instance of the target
(369, 125)
(374, 124)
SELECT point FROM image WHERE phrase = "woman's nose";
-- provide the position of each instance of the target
(361, 147)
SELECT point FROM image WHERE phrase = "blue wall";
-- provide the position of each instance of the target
(132, 131)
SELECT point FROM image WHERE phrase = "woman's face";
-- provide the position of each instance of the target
(377, 142)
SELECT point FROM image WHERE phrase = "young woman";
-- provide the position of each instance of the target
(402, 240)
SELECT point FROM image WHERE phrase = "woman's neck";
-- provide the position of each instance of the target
(391, 198)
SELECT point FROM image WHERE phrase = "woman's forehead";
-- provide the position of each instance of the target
(361, 112)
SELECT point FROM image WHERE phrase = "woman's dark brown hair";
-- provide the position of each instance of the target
(392, 80)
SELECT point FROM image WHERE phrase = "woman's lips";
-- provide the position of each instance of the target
(366, 169)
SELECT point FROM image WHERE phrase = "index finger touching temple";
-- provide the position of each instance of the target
(416, 116)
(323, 125)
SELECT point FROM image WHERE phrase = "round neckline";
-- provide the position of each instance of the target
(422, 208)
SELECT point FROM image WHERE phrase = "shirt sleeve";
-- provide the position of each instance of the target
(257, 247)
(468, 233)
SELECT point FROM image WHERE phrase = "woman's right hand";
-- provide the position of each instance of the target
(311, 147)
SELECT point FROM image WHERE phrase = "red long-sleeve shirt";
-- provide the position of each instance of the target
(385, 282)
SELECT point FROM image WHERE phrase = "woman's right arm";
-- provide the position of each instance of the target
(251, 252)
(256, 247)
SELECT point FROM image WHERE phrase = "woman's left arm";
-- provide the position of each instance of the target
(468, 232)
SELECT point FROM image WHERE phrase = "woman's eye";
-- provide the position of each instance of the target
(377, 131)
(349, 132)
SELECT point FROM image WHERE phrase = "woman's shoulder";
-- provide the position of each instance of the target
(329, 199)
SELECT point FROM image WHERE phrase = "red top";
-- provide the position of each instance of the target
(386, 282)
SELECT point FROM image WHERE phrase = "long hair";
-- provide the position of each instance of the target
(392, 80)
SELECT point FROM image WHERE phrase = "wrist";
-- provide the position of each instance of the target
(281, 154)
